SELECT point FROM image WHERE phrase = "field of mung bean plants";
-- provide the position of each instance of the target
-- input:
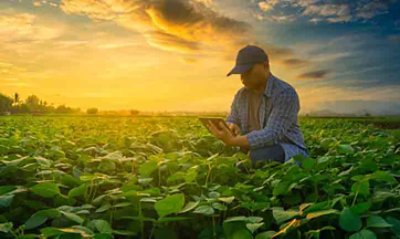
(168, 177)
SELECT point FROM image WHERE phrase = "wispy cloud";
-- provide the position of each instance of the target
(323, 11)
(372, 9)
(24, 27)
(295, 62)
(267, 5)
(320, 74)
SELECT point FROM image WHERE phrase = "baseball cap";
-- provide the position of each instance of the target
(247, 57)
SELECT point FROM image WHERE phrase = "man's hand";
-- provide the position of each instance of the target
(234, 128)
(228, 137)
(223, 134)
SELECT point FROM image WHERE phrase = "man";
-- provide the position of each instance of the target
(263, 115)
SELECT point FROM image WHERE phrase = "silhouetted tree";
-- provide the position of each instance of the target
(91, 111)
(32, 105)
(16, 98)
(134, 112)
(5, 104)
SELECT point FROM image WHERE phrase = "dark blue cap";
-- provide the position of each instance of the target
(247, 57)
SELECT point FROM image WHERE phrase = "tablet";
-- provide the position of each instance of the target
(215, 121)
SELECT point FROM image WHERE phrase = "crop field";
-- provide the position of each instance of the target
(168, 177)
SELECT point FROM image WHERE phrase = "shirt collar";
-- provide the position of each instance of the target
(268, 87)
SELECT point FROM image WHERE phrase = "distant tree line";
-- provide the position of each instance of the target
(31, 105)
(34, 105)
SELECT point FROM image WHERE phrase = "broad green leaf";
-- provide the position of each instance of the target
(124, 232)
(102, 226)
(52, 231)
(6, 189)
(380, 196)
(214, 194)
(6, 227)
(236, 230)
(383, 176)
(345, 149)
(308, 163)
(77, 191)
(6, 199)
(395, 225)
(46, 189)
(236, 219)
(170, 204)
(321, 213)
(361, 187)
(73, 217)
(254, 226)
(282, 188)
(191, 175)
(104, 207)
(219, 206)
(363, 234)
(349, 221)
(189, 206)
(227, 199)
(147, 168)
(241, 234)
(326, 143)
(41, 217)
(204, 209)
(281, 215)
(361, 208)
(251, 219)
(377, 221)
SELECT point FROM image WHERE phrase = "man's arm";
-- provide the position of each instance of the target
(284, 112)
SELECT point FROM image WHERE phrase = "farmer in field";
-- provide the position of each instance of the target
(263, 115)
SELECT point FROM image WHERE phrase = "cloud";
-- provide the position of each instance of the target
(37, 3)
(25, 27)
(295, 62)
(320, 74)
(170, 42)
(276, 18)
(177, 25)
(276, 52)
(7, 70)
(331, 12)
(10, 75)
(321, 10)
(372, 9)
(41, 3)
(267, 5)
(208, 3)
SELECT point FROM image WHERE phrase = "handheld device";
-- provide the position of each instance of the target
(215, 121)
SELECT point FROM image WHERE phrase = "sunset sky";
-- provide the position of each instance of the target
(168, 55)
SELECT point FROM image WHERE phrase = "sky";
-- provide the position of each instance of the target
(173, 55)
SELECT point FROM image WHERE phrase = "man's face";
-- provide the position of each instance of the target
(255, 76)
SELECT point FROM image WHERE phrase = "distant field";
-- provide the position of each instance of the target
(391, 122)
(167, 177)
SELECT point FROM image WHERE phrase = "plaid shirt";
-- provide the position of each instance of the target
(278, 116)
